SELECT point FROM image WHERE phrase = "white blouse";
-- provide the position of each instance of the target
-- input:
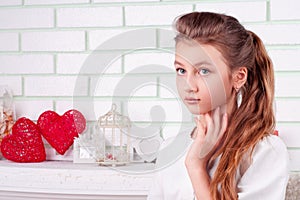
(265, 179)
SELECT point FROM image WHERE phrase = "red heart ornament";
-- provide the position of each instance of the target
(24, 144)
(60, 131)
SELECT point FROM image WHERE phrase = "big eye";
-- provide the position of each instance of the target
(180, 71)
(204, 71)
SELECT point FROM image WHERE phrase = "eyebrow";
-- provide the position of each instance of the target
(177, 63)
(196, 64)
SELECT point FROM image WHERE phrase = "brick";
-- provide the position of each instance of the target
(286, 110)
(32, 109)
(277, 34)
(294, 155)
(166, 38)
(89, 17)
(121, 1)
(16, 18)
(157, 111)
(154, 15)
(10, 2)
(167, 87)
(91, 109)
(122, 39)
(125, 86)
(285, 10)
(149, 62)
(54, 2)
(286, 59)
(13, 82)
(9, 42)
(95, 63)
(26, 64)
(289, 134)
(171, 130)
(99, 37)
(53, 41)
(286, 85)
(243, 11)
(55, 86)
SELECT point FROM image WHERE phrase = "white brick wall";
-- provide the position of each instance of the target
(288, 110)
(10, 2)
(158, 111)
(54, 2)
(124, 86)
(89, 17)
(16, 18)
(96, 107)
(244, 11)
(108, 1)
(286, 85)
(106, 63)
(295, 159)
(278, 34)
(53, 41)
(154, 15)
(27, 64)
(45, 44)
(55, 86)
(32, 108)
(133, 63)
(13, 82)
(116, 39)
(285, 60)
(285, 10)
(9, 42)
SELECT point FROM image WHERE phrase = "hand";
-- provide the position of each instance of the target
(208, 134)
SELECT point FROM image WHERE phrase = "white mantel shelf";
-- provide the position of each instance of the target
(66, 180)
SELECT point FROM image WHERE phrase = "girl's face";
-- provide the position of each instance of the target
(203, 79)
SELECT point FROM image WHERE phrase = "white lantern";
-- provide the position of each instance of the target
(114, 130)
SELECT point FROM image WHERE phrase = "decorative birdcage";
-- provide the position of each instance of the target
(7, 111)
(114, 131)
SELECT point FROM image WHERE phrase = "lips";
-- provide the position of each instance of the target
(191, 100)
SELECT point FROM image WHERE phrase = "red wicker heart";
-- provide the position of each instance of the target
(24, 144)
(60, 131)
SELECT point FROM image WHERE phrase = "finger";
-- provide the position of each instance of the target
(224, 124)
(201, 119)
(216, 120)
(208, 120)
(210, 135)
(223, 129)
(200, 130)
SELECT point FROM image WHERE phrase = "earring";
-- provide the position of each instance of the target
(239, 98)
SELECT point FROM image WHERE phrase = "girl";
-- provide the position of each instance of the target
(225, 78)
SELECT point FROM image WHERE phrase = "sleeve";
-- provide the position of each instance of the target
(268, 174)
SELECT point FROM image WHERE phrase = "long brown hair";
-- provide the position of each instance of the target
(254, 119)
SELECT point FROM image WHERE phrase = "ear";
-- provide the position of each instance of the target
(239, 77)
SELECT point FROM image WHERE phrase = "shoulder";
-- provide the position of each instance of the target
(268, 172)
(269, 155)
(271, 145)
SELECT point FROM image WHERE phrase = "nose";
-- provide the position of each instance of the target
(191, 84)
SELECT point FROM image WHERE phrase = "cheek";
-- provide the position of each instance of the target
(217, 90)
(180, 86)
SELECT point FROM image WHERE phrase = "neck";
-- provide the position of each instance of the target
(229, 106)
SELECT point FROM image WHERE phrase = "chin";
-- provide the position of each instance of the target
(197, 110)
